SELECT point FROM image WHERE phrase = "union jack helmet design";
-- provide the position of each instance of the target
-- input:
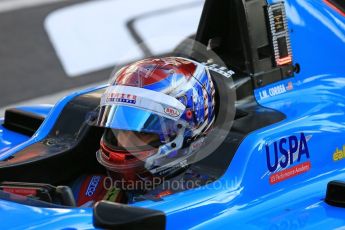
(169, 101)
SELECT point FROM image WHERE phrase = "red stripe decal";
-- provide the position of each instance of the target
(290, 172)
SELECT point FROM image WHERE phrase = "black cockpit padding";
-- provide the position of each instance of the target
(21, 121)
(68, 151)
(110, 215)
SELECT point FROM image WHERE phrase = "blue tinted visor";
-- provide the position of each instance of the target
(134, 119)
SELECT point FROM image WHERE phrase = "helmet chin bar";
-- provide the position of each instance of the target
(165, 150)
(154, 161)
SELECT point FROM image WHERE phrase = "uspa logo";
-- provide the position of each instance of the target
(291, 151)
(172, 112)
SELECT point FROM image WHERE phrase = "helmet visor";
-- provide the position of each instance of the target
(133, 119)
(140, 110)
(130, 141)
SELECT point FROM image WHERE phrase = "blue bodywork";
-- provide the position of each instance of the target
(247, 196)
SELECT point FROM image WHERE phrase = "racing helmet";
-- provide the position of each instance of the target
(156, 113)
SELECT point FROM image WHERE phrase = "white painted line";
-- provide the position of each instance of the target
(93, 35)
(10, 5)
(174, 26)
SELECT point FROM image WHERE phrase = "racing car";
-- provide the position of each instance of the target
(279, 158)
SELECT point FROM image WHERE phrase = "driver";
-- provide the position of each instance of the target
(155, 113)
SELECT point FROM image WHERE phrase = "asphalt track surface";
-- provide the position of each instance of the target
(29, 66)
